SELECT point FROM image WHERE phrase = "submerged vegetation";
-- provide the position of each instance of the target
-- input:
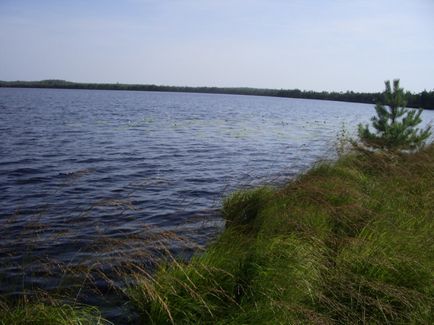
(424, 99)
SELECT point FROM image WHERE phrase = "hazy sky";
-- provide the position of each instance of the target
(311, 44)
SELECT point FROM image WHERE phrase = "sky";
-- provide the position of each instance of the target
(333, 45)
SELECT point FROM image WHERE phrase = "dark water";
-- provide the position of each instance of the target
(79, 165)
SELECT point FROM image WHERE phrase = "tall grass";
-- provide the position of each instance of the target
(49, 314)
(37, 287)
(100, 280)
(348, 242)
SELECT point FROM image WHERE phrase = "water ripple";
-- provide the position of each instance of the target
(78, 165)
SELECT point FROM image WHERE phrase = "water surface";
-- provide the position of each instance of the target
(79, 165)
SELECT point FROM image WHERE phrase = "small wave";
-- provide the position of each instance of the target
(25, 171)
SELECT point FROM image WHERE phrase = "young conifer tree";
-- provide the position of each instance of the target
(395, 124)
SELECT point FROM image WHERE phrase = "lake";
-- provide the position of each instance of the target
(77, 166)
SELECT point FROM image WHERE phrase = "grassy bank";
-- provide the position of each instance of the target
(348, 242)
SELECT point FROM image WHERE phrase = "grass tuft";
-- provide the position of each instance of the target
(348, 242)
(39, 313)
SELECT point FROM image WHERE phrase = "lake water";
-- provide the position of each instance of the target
(80, 165)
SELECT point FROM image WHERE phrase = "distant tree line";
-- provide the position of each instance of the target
(425, 99)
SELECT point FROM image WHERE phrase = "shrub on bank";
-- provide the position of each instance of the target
(395, 125)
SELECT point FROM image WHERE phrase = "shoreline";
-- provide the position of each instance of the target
(424, 100)
(347, 240)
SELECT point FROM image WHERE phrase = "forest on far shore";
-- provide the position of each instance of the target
(424, 99)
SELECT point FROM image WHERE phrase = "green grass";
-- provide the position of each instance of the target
(38, 313)
(348, 242)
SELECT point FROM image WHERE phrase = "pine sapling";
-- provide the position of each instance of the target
(395, 124)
